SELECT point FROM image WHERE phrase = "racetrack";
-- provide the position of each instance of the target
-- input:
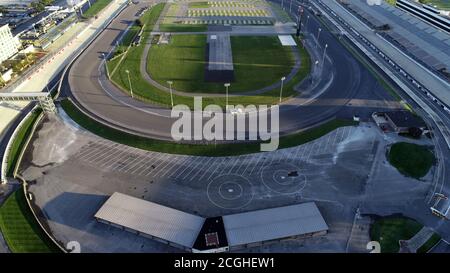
(343, 82)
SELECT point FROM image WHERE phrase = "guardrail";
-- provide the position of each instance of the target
(87, 43)
(27, 194)
(6, 155)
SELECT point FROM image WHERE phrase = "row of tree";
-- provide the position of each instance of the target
(39, 6)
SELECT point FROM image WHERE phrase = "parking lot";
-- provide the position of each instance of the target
(72, 172)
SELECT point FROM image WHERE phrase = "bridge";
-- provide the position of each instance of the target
(44, 98)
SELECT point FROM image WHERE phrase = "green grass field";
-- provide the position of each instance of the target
(147, 92)
(19, 228)
(176, 27)
(440, 4)
(96, 8)
(259, 61)
(389, 230)
(190, 149)
(20, 140)
(411, 159)
(199, 5)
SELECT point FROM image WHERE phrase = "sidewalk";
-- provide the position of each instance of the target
(44, 74)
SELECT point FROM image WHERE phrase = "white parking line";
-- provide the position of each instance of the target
(112, 157)
(175, 164)
(140, 156)
(142, 163)
(252, 159)
(149, 164)
(261, 155)
(245, 161)
(97, 149)
(180, 165)
(211, 164)
(88, 149)
(217, 168)
(162, 160)
(115, 159)
(105, 153)
(187, 167)
(238, 159)
(167, 163)
(198, 170)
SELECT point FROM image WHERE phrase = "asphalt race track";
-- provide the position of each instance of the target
(102, 100)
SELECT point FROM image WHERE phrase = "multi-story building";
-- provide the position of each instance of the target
(9, 45)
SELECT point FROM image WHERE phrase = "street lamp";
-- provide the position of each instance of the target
(318, 35)
(282, 4)
(129, 81)
(290, 7)
(315, 69)
(226, 90)
(306, 23)
(171, 96)
(106, 65)
(323, 57)
(281, 89)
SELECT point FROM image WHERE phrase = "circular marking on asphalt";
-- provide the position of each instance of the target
(230, 191)
(281, 178)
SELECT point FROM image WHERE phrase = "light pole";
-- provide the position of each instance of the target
(171, 96)
(323, 57)
(318, 35)
(315, 70)
(282, 4)
(306, 23)
(106, 65)
(281, 89)
(129, 81)
(290, 7)
(226, 99)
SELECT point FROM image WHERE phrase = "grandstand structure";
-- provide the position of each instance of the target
(426, 13)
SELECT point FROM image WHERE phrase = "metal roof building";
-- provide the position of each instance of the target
(271, 224)
(214, 234)
(151, 219)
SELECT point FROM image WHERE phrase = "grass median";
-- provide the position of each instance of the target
(231, 149)
(389, 230)
(20, 140)
(19, 227)
(96, 8)
(411, 159)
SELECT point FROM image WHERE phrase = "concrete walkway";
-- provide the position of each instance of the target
(413, 244)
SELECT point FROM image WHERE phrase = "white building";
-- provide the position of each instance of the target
(9, 45)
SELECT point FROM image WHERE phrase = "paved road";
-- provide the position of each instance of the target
(432, 82)
(111, 106)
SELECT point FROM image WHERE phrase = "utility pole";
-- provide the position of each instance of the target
(299, 21)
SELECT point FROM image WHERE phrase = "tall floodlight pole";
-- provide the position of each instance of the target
(306, 23)
(315, 68)
(323, 57)
(106, 65)
(299, 20)
(318, 35)
(129, 81)
(171, 95)
(226, 99)
(281, 88)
